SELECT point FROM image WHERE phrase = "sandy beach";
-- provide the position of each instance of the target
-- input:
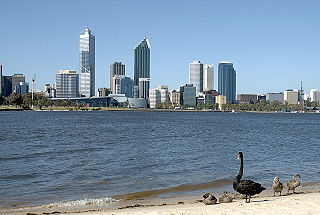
(305, 201)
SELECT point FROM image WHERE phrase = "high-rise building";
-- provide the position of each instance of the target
(67, 84)
(144, 86)
(196, 76)
(208, 77)
(50, 90)
(158, 95)
(22, 88)
(115, 83)
(126, 86)
(141, 64)
(227, 81)
(154, 97)
(117, 68)
(6, 85)
(188, 95)
(1, 79)
(87, 63)
(315, 95)
(16, 80)
(291, 96)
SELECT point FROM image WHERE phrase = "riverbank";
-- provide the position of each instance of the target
(306, 200)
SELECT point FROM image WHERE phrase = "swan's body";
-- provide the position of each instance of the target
(277, 186)
(246, 187)
(209, 199)
(225, 198)
(294, 183)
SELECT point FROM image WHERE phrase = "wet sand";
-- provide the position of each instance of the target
(306, 201)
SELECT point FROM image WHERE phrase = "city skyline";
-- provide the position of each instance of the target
(269, 42)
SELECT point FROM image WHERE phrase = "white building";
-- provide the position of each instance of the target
(272, 97)
(208, 71)
(115, 83)
(87, 63)
(196, 76)
(315, 95)
(154, 97)
(291, 96)
(158, 95)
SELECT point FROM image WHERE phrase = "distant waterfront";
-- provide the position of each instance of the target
(49, 157)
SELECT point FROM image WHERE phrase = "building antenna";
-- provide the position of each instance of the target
(301, 98)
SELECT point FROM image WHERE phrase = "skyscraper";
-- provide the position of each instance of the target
(144, 86)
(208, 77)
(87, 63)
(1, 79)
(141, 63)
(196, 76)
(16, 80)
(67, 84)
(227, 81)
(117, 68)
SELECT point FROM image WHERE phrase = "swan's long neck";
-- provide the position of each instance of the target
(239, 176)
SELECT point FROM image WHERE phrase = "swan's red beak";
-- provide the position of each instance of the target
(238, 157)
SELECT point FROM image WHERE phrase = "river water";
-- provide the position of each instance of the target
(49, 157)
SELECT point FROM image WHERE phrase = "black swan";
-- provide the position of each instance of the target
(277, 186)
(246, 187)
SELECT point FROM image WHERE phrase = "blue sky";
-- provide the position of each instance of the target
(273, 44)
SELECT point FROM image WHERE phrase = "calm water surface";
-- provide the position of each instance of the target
(50, 157)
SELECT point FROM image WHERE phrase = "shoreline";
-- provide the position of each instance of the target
(76, 109)
(305, 201)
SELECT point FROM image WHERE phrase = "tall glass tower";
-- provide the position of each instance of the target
(141, 62)
(196, 76)
(87, 63)
(227, 81)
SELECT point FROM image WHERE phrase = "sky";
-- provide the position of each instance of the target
(273, 44)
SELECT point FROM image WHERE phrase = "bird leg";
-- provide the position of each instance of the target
(274, 193)
(280, 193)
(249, 199)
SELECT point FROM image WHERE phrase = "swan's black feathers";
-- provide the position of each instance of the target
(248, 187)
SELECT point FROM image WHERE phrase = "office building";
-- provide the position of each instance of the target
(117, 68)
(291, 97)
(227, 81)
(22, 88)
(275, 97)
(1, 84)
(115, 83)
(315, 95)
(208, 74)
(87, 63)
(196, 76)
(7, 86)
(126, 86)
(50, 90)
(154, 97)
(144, 86)
(175, 98)
(158, 95)
(16, 80)
(141, 64)
(210, 96)
(221, 100)
(188, 95)
(247, 98)
(67, 84)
